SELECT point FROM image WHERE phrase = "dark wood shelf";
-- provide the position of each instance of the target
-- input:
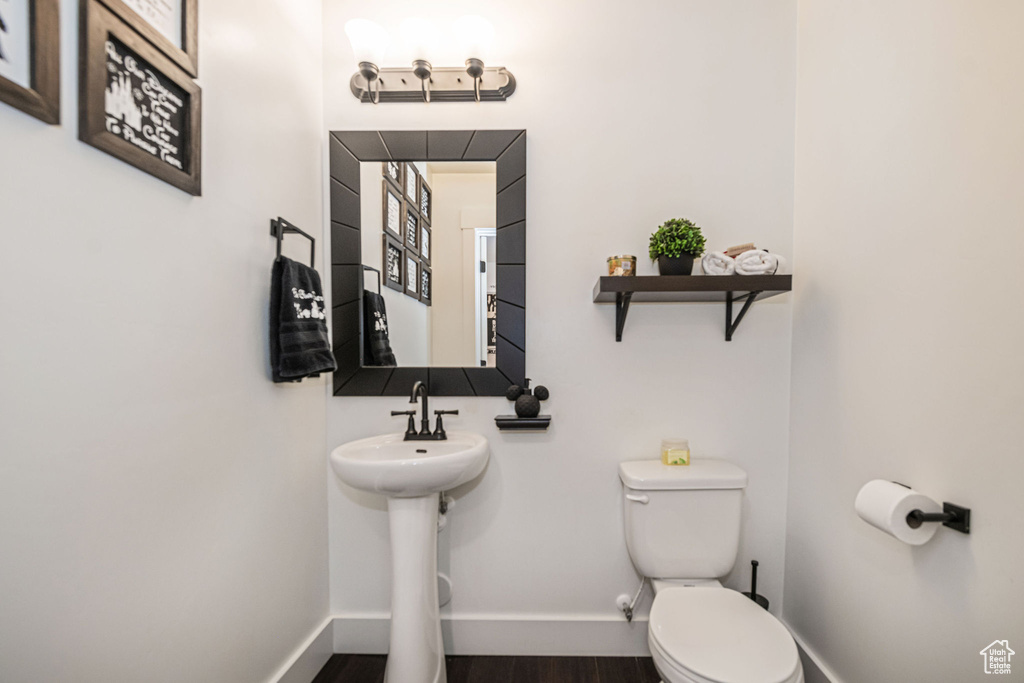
(689, 288)
(508, 422)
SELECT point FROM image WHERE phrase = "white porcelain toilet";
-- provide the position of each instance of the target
(682, 531)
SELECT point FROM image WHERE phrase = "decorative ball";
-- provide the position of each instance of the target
(527, 405)
(542, 393)
(513, 392)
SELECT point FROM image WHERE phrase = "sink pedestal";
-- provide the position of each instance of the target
(416, 652)
(412, 474)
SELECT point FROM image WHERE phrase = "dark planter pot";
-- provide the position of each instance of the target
(678, 265)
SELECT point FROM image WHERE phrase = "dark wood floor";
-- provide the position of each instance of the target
(370, 669)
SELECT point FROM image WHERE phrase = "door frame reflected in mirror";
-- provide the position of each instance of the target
(347, 149)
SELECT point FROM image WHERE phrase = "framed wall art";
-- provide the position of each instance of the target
(135, 103)
(412, 228)
(171, 25)
(426, 283)
(424, 202)
(392, 211)
(393, 172)
(412, 177)
(394, 264)
(412, 274)
(425, 243)
(30, 57)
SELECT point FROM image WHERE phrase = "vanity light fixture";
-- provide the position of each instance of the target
(369, 42)
(421, 35)
(422, 82)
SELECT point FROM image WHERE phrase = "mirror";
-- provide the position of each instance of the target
(428, 261)
(429, 229)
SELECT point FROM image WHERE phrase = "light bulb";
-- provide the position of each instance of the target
(369, 40)
(419, 36)
(475, 35)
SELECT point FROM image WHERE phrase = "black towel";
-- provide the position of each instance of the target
(299, 346)
(376, 344)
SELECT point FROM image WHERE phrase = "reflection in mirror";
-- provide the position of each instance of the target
(430, 229)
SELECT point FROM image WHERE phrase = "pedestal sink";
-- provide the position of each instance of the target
(412, 474)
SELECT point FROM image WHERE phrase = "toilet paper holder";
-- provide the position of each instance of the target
(955, 517)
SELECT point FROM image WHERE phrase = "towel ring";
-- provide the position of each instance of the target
(279, 227)
(366, 268)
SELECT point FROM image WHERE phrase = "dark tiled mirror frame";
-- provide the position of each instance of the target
(347, 150)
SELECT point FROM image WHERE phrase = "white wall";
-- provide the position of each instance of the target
(540, 534)
(462, 202)
(162, 506)
(907, 331)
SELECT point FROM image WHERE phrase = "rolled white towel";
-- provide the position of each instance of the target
(717, 263)
(759, 262)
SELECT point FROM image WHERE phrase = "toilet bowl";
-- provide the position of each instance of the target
(684, 521)
(707, 634)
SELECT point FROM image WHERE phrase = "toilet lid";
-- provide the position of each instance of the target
(721, 635)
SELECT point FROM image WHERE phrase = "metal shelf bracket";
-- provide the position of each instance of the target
(622, 300)
(730, 324)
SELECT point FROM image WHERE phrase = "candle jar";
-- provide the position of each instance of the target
(624, 264)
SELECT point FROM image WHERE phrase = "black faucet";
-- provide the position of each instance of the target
(424, 434)
(417, 389)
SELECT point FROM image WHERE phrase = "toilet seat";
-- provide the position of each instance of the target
(716, 635)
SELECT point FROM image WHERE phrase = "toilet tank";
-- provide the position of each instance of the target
(682, 521)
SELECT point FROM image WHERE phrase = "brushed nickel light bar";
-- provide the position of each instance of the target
(448, 84)
(476, 82)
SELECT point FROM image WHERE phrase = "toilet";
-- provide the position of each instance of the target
(682, 528)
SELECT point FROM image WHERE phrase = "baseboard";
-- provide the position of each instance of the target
(815, 670)
(505, 635)
(307, 660)
(499, 635)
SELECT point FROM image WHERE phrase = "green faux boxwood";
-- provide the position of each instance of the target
(677, 237)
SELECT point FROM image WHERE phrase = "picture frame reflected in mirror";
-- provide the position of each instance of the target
(394, 264)
(393, 211)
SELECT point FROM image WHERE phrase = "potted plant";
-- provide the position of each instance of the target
(675, 244)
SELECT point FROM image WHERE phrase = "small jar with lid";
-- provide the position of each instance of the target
(623, 264)
(675, 452)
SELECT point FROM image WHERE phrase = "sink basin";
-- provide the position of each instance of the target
(405, 469)
(412, 474)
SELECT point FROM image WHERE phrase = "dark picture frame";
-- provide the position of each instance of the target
(393, 172)
(426, 283)
(426, 242)
(411, 227)
(185, 56)
(41, 98)
(99, 24)
(412, 280)
(393, 247)
(347, 149)
(424, 200)
(411, 176)
(396, 227)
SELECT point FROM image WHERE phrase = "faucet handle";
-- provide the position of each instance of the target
(439, 429)
(411, 429)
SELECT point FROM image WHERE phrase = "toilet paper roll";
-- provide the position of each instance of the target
(885, 505)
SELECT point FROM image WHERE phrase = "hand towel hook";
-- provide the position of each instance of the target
(279, 227)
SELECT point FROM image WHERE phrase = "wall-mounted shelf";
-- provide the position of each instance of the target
(685, 288)
(538, 423)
